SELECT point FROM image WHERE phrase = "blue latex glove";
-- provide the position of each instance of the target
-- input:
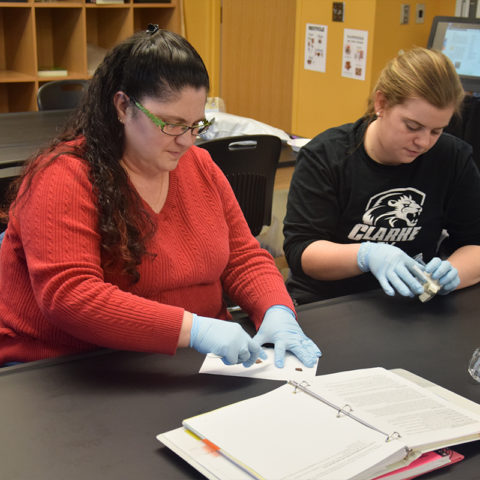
(225, 339)
(280, 327)
(392, 268)
(445, 274)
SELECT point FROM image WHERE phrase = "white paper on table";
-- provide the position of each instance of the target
(294, 369)
(298, 143)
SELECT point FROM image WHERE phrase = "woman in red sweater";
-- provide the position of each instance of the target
(123, 234)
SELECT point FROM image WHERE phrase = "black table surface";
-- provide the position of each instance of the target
(22, 133)
(97, 415)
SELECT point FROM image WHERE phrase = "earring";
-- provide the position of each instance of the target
(378, 114)
(120, 120)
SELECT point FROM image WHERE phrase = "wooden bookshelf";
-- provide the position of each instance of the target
(59, 34)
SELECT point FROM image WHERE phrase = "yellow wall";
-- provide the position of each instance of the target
(321, 100)
(202, 29)
(324, 100)
(392, 37)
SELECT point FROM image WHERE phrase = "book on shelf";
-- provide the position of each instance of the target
(106, 2)
(359, 424)
(52, 72)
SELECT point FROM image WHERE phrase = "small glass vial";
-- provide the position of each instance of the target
(474, 365)
(430, 287)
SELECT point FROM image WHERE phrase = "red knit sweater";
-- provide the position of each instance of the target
(56, 298)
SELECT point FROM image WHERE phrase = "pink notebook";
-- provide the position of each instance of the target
(426, 463)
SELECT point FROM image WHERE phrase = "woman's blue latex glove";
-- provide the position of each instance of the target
(280, 327)
(225, 339)
(444, 273)
(392, 268)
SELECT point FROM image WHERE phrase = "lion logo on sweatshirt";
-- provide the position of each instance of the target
(390, 216)
(393, 208)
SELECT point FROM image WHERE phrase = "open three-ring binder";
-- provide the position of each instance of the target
(349, 425)
(345, 410)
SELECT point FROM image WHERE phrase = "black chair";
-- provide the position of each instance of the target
(467, 125)
(249, 162)
(60, 94)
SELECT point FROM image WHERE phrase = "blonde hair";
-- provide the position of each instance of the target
(419, 73)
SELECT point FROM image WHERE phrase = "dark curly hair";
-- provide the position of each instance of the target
(154, 63)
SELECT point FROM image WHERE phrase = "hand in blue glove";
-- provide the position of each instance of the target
(225, 339)
(280, 327)
(391, 266)
(444, 273)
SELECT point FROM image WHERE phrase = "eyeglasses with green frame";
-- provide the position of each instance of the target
(174, 129)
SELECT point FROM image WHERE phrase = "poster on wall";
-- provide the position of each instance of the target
(354, 59)
(315, 47)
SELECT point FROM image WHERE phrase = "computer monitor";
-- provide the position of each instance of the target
(459, 39)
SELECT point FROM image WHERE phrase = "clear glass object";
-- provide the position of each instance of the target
(474, 365)
(430, 287)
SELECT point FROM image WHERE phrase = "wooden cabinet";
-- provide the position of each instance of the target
(258, 47)
(64, 34)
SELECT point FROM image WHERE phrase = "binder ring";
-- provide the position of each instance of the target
(303, 383)
(345, 409)
(393, 436)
